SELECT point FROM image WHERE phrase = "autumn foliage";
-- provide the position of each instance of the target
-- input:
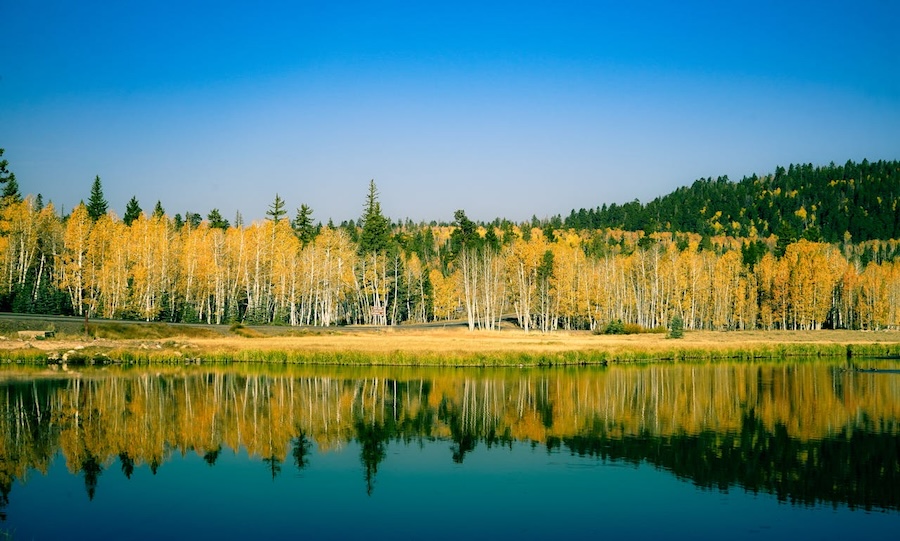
(156, 269)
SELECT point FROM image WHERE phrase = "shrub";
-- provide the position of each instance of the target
(614, 327)
(676, 327)
(618, 327)
(633, 328)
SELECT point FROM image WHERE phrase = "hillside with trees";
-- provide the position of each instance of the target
(830, 203)
(541, 276)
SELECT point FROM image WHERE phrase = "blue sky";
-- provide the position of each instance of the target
(503, 109)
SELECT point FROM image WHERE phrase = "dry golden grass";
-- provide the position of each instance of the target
(464, 341)
(459, 346)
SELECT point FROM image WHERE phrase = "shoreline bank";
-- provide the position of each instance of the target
(118, 342)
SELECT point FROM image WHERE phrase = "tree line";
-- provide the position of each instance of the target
(856, 201)
(152, 267)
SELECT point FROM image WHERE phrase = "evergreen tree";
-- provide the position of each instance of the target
(276, 210)
(132, 211)
(11, 190)
(464, 235)
(96, 205)
(216, 220)
(158, 210)
(303, 225)
(193, 219)
(676, 327)
(376, 229)
(4, 171)
(10, 186)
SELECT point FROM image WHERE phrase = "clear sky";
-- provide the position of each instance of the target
(503, 109)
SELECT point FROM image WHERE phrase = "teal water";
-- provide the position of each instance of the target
(785, 451)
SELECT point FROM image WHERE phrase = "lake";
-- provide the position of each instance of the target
(770, 450)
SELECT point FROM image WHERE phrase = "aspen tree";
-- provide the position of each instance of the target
(568, 279)
(72, 260)
(18, 228)
(446, 295)
(50, 234)
(765, 286)
(109, 240)
(524, 259)
(284, 261)
(150, 267)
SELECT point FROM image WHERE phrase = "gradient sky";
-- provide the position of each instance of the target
(503, 109)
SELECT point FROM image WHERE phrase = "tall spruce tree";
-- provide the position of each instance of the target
(10, 186)
(376, 229)
(97, 205)
(276, 210)
(303, 225)
(132, 211)
(4, 172)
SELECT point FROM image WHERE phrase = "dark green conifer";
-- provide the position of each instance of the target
(376, 229)
(132, 211)
(96, 205)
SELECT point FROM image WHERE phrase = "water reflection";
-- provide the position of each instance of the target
(806, 432)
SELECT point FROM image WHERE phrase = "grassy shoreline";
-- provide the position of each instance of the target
(117, 342)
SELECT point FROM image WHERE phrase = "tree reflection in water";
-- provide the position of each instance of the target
(806, 432)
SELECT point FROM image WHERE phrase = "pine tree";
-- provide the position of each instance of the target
(216, 220)
(303, 225)
(193, 219)
(11, 191)
(132, 211)
(158, 210)
(276, 210)
(464, 235)
(676, 327)
(10, 186)
(376, 229)
(96, 205)
(4, 172)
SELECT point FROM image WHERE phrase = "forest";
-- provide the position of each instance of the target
(831, 204)
(805, 248)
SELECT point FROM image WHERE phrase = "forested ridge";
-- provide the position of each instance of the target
(826, 203)
(542, 275)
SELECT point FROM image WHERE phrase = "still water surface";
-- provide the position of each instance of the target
(745, 451)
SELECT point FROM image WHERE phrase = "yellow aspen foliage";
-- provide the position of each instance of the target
(876, 293)
(523, 260)
(445, 294)
(814, 271)
(149, 265)
(19, 231)
(569, 282)
(109, 259)
(72, 260)
(330, 262)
